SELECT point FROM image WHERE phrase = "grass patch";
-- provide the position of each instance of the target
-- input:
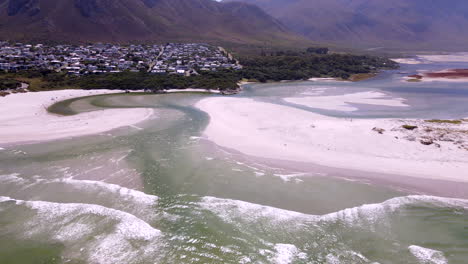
(37, 82)
(457, 122)
(362, 77)
(441, 121)
(409, 127)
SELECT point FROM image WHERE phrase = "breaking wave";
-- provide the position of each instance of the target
(323, 238)
(80, 191)
(427, 255)
(89, 232)
(368, 213)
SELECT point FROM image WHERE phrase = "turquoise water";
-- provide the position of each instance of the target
(185, 200)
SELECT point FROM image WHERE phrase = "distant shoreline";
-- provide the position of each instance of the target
(449, 75)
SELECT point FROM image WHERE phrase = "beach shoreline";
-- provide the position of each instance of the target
(373, 146)
(296, 171)
(26, 119)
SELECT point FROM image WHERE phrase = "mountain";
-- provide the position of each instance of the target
(408, 24)
(139, 21)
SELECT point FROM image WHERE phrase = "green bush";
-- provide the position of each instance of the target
(409, 127)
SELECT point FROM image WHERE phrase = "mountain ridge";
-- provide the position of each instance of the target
(412, 24)
(140, 21)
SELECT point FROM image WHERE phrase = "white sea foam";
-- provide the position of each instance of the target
(118, 160)
(332, 259)
(4, 199)
(128, 225)
(258, 173)
(84, 191)
(125, 194)
(228, 210)
(136, 127)
(104, 235)
(369, 214)
(371, 217)
(364, 215)
(128, 195)
(349, 256)
(289, 177)
(427, 255)
(11, 178)
(286, 253)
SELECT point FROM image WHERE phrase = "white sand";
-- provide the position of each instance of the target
(434, 58)
(192, 90)
(324, 80)
(454, 80)
(24, 117)
(280, 132)
(408, 61)
(342, 102)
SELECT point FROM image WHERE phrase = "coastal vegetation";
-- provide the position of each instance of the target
(220, 80)
(409, 127)
(361, 76)
(50, 80)
(275, 66)
(8, 84)
(440, 121)
(304, 65)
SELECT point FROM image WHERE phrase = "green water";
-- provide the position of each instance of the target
(198, 203)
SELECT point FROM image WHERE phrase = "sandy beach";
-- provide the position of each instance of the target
(408, 60)
(345, 102)
(25, 118)
(434, 58)
(372, 145)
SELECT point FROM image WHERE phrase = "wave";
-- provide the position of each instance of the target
(90, 232)
(336, 237)
(133, 196)
(427, 255)
(229, 210)
(368, 212)
(81, 191)
(372, 213)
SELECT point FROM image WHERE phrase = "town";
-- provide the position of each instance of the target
(180, 59)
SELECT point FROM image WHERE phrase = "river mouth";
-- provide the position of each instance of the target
(159, 192)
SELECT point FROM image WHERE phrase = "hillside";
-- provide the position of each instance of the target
(139, 21)
(425, 24)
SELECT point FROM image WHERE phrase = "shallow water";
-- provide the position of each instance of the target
(186, 200)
